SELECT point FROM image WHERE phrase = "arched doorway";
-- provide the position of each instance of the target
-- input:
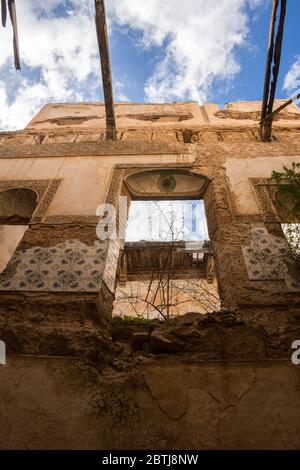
(16, 209)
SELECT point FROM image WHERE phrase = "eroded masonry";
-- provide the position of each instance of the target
(75, 376)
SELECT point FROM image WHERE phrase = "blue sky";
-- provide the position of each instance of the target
(137, 64)
(203, 50)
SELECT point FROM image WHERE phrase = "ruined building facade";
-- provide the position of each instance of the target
(77, 379)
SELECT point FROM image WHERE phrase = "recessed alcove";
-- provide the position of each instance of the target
(16, 209)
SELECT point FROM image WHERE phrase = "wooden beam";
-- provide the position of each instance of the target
(102, 37)
(272, 68)
(283, 106)
(10, 4)
(13, 17)
(269, 60)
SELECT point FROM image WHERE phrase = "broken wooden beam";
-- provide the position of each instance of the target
(102, 37)
(13, 17)
(272, 69)
(283, 106)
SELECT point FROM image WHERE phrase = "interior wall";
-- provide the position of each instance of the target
(240, 172)
(188, 295)
(10, 237)
(84, 180)
(233, 386)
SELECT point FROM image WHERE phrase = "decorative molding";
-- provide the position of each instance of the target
(45, 190)
(95, 148)
(38, 186)
(180, 183)
(48, 196)
(115, 186)
(264, 190)
(71, 219)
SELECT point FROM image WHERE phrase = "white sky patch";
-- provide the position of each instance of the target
(199, 36)
(292, 78)
(257, 3)
(167, 221)
(59, 59)
(119, 92)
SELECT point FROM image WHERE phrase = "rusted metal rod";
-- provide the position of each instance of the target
(280, 108)
(269, 60)
(272, 68)
(102, 37)
(277, 55)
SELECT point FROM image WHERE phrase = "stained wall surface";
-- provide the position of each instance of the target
(62, 156)
(163, 405)
(57, 291)
(10, 236)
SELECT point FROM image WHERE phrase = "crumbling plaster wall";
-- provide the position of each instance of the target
(240, 172)
(86, 116)
(218, 401)
(224, 148)
(84, 180)
(65, 404)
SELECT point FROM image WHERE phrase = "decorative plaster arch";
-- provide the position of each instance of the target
(17, 205)
(166, 183)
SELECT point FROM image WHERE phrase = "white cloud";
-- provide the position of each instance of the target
(60, 61)
(120, 92)
(257, 3)
(292, 78)
(59, 57)
(199, 36)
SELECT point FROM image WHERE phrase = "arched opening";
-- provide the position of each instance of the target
(16, 209)
(166, 268)
(17, 206)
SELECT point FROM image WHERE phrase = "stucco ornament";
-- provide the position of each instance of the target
(166, 183)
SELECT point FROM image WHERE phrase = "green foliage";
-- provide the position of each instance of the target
(138, 319)
(288, 188)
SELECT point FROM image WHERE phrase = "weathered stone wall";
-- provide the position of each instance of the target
(221, 381)
(229, 223)
(65, 404)
(231, 383)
